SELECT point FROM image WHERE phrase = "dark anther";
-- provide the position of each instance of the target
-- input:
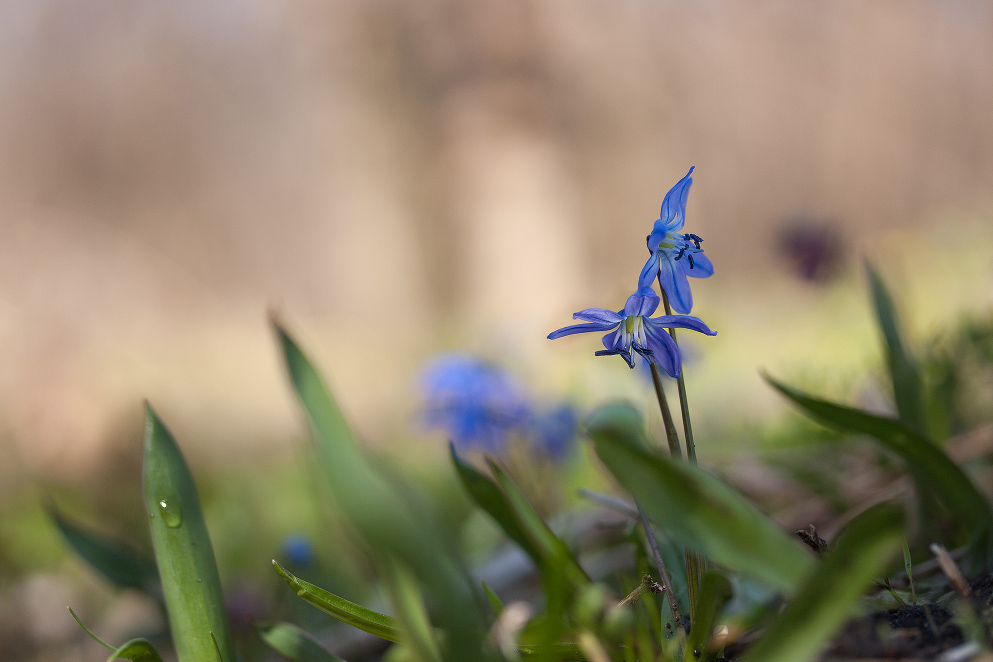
(696, 239)
(690, 258)
(680, 253)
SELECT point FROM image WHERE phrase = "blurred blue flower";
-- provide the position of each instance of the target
(633, 329)
(476, 403)
(675, 256)
(554, 432)
(298, 549)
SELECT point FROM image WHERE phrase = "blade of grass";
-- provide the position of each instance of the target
(389, 525)
(715, 591)
(121, 565)
(136, 650)
(927, 463)
(190, 583)
(344, 610)
(701, 510)
(829, 594)
(294, 643)
(88, 630)
(496, 604)
(904, 373)
(408, 601)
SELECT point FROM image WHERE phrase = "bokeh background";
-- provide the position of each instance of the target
(398, 179)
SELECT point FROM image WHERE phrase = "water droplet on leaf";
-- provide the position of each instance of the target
(171, 513)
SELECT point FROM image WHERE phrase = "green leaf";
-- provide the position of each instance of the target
(390, 526)
(185, 558)
(294, 643)
(699, 509)
(904, 373)
(137, 650)
(715, 591)
(488, 496)
(344, 610)
(496, 604)
(928, 464)
(408, 600)
(830, 593)
(121, 565)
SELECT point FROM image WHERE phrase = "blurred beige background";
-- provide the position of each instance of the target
(398, 178)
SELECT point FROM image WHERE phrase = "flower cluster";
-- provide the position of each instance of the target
(674, 257)
(479, 405)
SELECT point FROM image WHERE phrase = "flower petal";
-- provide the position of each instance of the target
(702, 266)
(649, 271)
(679, 322)
(598, 315)
(643, 302)
(676, 287)
(612, 340)
(673, 212)
(581, 328)
(665, 351)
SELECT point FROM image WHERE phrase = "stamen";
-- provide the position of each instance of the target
(680, 253)
(690, 258)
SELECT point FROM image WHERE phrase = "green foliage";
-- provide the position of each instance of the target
(696, 507)
(294, 643)
(121, 565)
(828, 595)
(137, 650)
(388, 524)
(183, 551)
(344, 610)
(927, 463)
(904, 372)
(715, 591)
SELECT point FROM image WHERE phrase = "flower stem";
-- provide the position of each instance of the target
(670, 427)
(684, 404)
(653, 547)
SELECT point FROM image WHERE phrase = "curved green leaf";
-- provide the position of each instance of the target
(828, 596)
(700, 510)
(389, 524)
(715, 591)
(904, 373)
(137, 650)
(185, 558)
(121, 565)
(927, 463)
(294, 643)
(344, 610)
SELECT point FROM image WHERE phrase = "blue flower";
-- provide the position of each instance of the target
(477, 404)
(553, 432)
(633, 329)
(675, 256)
(298, 549)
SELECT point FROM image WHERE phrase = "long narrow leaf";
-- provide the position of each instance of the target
(715, 591)
(185, 558)
(137, 650)
(344, 610)
(294, 643)
(904, 374)
(701, 510)
(121, 565)
(828, 596)
(389, 525)
(929, 465)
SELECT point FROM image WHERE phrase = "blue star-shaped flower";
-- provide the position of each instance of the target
(675, 256)
(476, 403)
(633, 329)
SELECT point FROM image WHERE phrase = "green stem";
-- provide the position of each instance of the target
(653, 547)
(684, 404)
(670, 427)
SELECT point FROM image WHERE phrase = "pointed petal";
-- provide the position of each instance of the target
(679, 322)
(666, 353)
(676, 287)
(598, 315)
(581, 328)
(702, 266)
(649, 271)
(673, 212)
(643, 302)
(612, 340)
